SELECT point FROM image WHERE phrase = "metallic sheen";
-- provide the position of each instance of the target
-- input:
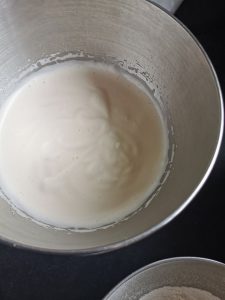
(141, 35)
(193, 272)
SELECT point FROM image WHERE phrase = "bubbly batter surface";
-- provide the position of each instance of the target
(81, 145)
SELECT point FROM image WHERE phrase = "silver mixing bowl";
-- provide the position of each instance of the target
(193, 272)
(147, 41)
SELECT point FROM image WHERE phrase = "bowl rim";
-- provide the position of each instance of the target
(172, 260)
(134, 239)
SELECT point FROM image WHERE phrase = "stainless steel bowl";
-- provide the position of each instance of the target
(138, 36)
(193, 272)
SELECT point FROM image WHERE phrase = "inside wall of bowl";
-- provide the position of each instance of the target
(142, 36)
(188, 272)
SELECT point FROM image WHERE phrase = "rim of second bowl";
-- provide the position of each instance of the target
(165, 261)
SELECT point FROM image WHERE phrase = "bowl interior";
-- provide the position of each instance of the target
(143, 39)
(190, 272)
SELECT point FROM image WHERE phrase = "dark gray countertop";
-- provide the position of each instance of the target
(198, 231)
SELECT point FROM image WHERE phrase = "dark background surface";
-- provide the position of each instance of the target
(198, 231)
